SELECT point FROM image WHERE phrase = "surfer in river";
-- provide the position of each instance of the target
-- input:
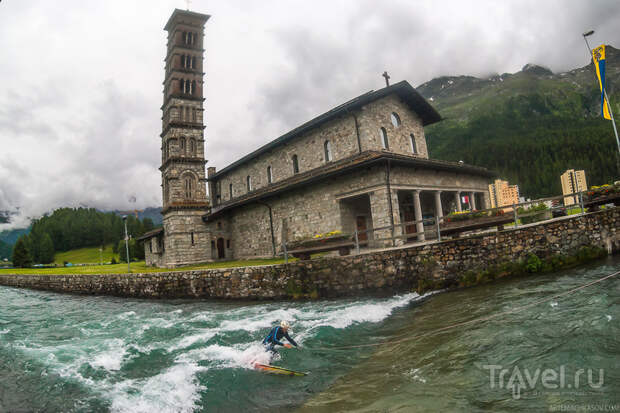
(275, 335)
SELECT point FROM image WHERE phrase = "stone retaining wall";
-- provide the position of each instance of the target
(393, 270)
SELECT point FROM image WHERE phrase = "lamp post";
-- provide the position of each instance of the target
(126, 244)
(613, 121)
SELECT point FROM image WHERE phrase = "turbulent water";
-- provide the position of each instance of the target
(87, 354)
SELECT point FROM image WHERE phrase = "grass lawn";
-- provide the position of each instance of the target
(88, 255)
(573, 211)
(139, 267)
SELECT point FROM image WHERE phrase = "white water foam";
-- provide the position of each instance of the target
(111, 359)
(175, 390)
(265, 319)
(237, 356)
(193, 339)
(357, 313)
(4, 331)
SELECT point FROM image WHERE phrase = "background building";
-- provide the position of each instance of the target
(573, 181)
(502, 194)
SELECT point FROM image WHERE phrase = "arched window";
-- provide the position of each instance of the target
(190, 186)
(182, 86)
(192, 146)
(269, 175)
(327, 147)
(248, 182)
(414, 147)
(193, 87)
(230, 191)
(384, 139)
(189, 37)
(182, 145)
(194, 62)
(295, 164)
(395, 119)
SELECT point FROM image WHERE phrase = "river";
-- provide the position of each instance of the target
(92, 353)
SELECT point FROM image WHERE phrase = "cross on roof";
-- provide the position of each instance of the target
(387, 78)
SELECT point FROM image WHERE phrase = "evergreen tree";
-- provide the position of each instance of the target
(46, 249)
(122, 251)
(21, 254)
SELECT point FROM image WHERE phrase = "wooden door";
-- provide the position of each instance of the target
(221, 253)
(409, 216)
(360, 223)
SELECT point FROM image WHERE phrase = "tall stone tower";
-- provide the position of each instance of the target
(182, 142)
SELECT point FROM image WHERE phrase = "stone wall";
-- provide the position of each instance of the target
(377, 114)
(387, 271)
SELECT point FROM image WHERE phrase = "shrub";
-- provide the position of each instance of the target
(533, 263)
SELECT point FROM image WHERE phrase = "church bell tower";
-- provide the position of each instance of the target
(182, 142)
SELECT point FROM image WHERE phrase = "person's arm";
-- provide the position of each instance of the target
(290, 339)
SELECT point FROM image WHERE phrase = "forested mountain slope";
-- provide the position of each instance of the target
(529, 126)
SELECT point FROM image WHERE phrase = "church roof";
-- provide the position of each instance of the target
(345, 165)
(150, 234)
(403, 89)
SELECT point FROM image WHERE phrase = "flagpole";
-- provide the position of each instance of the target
(613, 121)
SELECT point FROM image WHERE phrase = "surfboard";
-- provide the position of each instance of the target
(277, 370)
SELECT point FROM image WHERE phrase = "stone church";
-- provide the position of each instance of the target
(362, 165)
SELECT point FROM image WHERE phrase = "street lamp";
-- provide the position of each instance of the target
(126, 243)
(613, 122)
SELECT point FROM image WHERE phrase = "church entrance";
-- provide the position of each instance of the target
(221, 253)
(355, 215)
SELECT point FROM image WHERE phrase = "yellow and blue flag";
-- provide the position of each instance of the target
(598, 56)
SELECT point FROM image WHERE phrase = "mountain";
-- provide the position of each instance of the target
(9, 236)
(6, 251)
(154, 213)
(529, 126)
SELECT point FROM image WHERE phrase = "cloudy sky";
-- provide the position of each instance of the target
(80, 80)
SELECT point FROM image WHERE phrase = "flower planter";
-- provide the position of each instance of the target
(593, 201)
(455, 227)
(537, 216)
(319, 242)
(304, 248)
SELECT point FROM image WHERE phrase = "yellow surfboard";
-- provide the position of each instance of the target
(277, 370)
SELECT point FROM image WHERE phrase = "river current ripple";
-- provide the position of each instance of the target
(86, 354)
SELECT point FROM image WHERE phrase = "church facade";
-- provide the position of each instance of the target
(362, 165)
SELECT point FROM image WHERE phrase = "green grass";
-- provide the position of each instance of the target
(88, 255)
(139, 267)
(573, 211)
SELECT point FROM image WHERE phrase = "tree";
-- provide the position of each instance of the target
(21, 254)
(133, 250)
(46, 249)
